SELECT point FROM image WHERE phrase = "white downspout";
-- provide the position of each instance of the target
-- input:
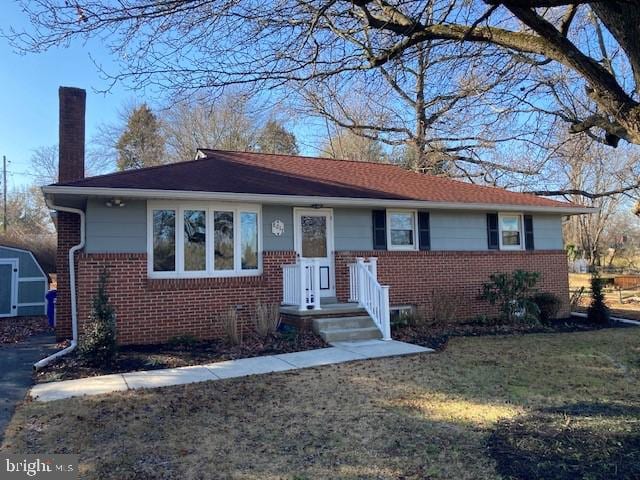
(72, 285)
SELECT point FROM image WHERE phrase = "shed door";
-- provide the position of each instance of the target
(8, 288)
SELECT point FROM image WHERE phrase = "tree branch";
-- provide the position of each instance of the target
(584, 193)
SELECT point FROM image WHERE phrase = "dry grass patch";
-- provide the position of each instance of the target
(422, 416)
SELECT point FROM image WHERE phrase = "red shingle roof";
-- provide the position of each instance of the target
(256, 173)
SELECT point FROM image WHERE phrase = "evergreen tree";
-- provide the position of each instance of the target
(274, 138)
(141, 144)
(98, 345)
(598, 311)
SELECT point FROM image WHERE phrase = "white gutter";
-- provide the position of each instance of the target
(305, 199)
(72, 285)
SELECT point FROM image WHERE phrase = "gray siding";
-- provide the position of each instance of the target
(270, 242)
(31, 311)
(451, 230)
(112, 230)
(116, 230)
(547, 232)
(31, 292)
(27, 267)
(353, 229)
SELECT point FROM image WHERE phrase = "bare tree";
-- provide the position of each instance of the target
(581, 167)
(346, 145)
(435, 112)
(44, 163)
(227, 123)
(194, 44)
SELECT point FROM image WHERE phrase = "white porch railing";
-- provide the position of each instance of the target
(301, 284)
(365, 289)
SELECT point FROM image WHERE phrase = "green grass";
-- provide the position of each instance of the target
(452, 415)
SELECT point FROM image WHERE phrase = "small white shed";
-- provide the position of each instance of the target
(23, 283)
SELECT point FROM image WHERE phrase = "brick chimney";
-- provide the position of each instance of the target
(70, 167)
(71, 133)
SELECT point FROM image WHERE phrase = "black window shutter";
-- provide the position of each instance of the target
(492, 231)
(424, 231)
(528, 232)
(379, 218)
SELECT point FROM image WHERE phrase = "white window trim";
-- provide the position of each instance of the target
(390, 246)
(209, 207)
(521, 230)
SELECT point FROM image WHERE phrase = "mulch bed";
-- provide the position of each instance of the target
(437, 336)
(18, 329)
(183, 354)
(594, 441)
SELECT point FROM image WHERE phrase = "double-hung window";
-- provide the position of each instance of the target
(511, 237)
(203, 240)
(401, 230)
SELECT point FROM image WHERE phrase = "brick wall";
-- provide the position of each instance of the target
(154, 310)
(414, 277)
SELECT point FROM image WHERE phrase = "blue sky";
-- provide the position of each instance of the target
(29, 94)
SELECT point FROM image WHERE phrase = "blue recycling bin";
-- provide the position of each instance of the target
(50, 296)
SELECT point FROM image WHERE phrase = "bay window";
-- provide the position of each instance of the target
(223, 246)
(164, 240)
(195, 240)
(203, 240)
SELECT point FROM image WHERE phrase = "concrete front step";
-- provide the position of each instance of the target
(323, 324)
(350, 334)
(345, 329)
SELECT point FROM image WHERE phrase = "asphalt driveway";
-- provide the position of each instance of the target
(16, 364)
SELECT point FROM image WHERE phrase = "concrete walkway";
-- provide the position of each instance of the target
(337, 353)
(16, 368)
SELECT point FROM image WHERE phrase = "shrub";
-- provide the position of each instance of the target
(598, 311)
(98, 346)
(231, 328)
(513, 293)
(548, 305)
(267, 319)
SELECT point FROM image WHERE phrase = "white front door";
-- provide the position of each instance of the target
(314, 240)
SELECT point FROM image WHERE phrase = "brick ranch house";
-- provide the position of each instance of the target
(185, 242)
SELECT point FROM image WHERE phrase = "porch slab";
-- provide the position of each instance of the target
(380, 348)
(46, 392)
(168, 376)
(329, 309)
(248, 366)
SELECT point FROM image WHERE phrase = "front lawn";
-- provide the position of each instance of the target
(561, 406)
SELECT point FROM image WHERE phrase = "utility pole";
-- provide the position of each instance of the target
(4, 192)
